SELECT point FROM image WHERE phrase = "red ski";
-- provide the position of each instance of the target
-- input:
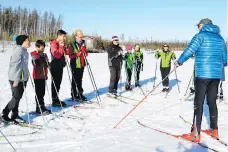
(176, 136)
(204, 131)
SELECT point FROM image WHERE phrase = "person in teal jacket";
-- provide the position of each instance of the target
(210, 52)
(166, 56)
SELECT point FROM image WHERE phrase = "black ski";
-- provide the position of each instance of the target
(117, 97)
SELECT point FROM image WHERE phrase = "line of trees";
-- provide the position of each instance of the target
(31, 22)
(155, 44)
(45, 26)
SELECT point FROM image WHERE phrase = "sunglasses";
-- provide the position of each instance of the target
(165, 46)
(116, 40)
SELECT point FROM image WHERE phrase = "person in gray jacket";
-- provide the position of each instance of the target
(18, 77)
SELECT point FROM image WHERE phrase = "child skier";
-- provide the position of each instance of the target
(18, 77)
(138, 63)
(165, 66)
(40, 65)
(129, 59)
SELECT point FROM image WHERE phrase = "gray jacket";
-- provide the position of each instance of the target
(18, 66)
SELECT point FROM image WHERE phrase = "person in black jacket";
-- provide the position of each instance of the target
(115, 59)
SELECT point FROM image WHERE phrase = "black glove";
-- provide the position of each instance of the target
(177, 64)
(44, 58)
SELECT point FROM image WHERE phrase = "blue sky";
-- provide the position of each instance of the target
(138, 19)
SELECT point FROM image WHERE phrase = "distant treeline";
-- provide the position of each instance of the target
(45, 25)
(174, 45)
(31, 22)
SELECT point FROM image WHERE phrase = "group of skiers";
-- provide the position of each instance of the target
(210, 53)
(208, 48)
(133, 64)
(19, 72)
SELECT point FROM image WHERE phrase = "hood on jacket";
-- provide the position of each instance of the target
(210, 28)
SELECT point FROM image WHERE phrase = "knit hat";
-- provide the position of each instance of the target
(205, 21)
(115, 38)
(15, 37)
(165, 45)
(20, 39)
(129, 47)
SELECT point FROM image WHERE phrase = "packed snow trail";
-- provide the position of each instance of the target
(94, 132)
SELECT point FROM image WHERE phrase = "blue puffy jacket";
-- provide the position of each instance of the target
(209, 49)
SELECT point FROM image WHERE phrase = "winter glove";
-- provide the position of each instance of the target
(225, 64)
(157, 54)
(177, 64)
(68, 49)
(78, 54)
(43, 57)
(136, 58)
(120, 52)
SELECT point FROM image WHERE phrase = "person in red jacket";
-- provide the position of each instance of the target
(40, 65)
(58, 62)
(77, 62)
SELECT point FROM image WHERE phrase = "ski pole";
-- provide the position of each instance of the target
(8, 141)
(177, 82)
(46, 86)
(53, 81)
(221, 90)
(121, 88)
(126, 72)
(144, 98)
(92, 79)
(36, 97)
(155, 73)
(22, 74)
(73, 79)
(189, 84)
(95, 86)
(136, 69)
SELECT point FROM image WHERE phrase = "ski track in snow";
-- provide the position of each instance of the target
(95, 131)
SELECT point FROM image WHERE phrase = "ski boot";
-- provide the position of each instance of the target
(137, 84)
(128, 87)
(164, 89)
(58, 103)
(193, 136)
(5, 118)
(18, 120)
(212, 132)
(43, 111)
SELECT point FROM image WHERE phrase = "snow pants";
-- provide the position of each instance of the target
(208, 88)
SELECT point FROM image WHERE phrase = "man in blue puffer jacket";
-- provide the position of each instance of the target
(209, 49)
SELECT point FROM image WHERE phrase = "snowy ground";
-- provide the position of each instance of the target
(93, 129)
